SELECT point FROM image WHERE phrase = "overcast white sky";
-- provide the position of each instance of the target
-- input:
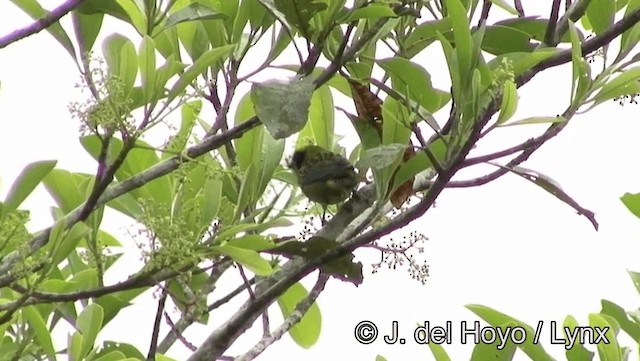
(508, 245)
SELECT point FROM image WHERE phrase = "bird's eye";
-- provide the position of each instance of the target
(297, 159)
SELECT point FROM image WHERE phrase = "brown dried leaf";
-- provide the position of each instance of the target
(368, 105)
(405, 191)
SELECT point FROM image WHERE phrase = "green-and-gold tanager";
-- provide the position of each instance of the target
(324, 177)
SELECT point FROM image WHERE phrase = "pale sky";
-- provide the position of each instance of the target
(508, 245)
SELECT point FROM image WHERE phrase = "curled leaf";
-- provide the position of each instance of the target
(283, 106)
(380, 157)
(551, 186)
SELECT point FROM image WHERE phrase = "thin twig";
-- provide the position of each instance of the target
(178, 334)
(300, 310)
(425, 148)
(484, 13)
(550, 35)
(574, 12)
(153, 346)
(40, 24)
(518, 5)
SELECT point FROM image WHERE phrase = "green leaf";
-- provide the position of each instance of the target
(461, 34)
(635, 278)
(523, 62)
(249, 146)
(26, 183)
(233, 230)
(373, 11)
(84, 280)
(620, 315)
(170, 68)
(276, 12)
(125, 348)
(256, 148)
(242, 16)
(495, 351)
(533, 349)
(425, 34)
(89, 322)
(86, 27)
(113, 303)
(631, 37)
(120, 55)
(536, 120)
(168, 43)
(248, 189)
(601, 15)
(207, 59)
(438, 352)
(192, 12)
(125, 10)
(419, 163)
(193, 35)
(66, 188)
(395, 130)
(248, 258)
(270, 157)
(320, 127)
(414, 80)
(147, 63)
(282, 42)
(298, 13)
(509, 102)
(113, 356)
(253, 242)
(342, 268)
(505, 6)
(380, 157)
(283, 107)
(189, 113)
(211, 201)
(35, 10)
(608, 349)
(452, 65)
(500, 39)
(580, 68)
(66, 242)
(626, 83)
(139, 159)
(337, 82)
(533, 26)
(75, 346)
(578, 352)
(306, 332)
(39, 328)
(632, 202)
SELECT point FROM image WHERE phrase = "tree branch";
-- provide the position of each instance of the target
(292, 271)
(40, 24)
(550, 35)
(301, 309)
(153, 346)
(550, 133)
(574, 12)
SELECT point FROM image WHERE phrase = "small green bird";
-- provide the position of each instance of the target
(324, 177)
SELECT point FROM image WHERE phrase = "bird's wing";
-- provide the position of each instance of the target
(325, 172)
